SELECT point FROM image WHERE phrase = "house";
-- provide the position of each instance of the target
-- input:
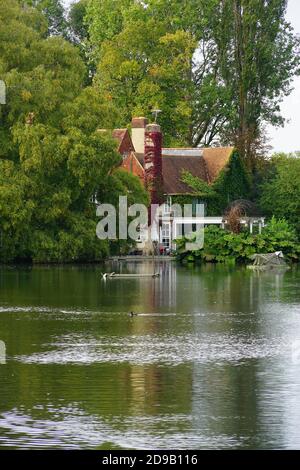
(126, 148)
(161, 171)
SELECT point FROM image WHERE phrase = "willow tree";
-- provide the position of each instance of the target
(52, 157)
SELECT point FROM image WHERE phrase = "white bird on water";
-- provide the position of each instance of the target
(106, 275)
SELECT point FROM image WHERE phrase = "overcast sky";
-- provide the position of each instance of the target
(285, 139)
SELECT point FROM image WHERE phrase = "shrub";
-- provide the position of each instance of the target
(221, 246)
(280, 191)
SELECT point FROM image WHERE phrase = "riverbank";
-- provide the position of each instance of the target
(222, 246)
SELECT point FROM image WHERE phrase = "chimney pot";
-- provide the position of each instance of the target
(139, 122)
(138, 125)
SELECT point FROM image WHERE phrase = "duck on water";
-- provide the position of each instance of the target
(133, 314)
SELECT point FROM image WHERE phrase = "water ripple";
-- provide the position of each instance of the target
(71, 428)
(151, 349)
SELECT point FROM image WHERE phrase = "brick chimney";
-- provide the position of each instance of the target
(138, 125)
(153, 164)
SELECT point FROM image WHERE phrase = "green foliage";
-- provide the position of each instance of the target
(15, 211)
(144, 63)
(232, 183)
(41, 74)
(221, 246)
(53, 11)
(53, 157)
(57, 176)
(78, 34)
(120, 182)
(200, 187)
(105, 18)
(218, 70)
(88, 112)
(280, 189)
(252, 53)
(76, 21)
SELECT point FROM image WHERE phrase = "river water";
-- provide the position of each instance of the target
(212, 360)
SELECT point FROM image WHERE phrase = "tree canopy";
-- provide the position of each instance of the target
(54, 12)
(53, 159)
(217, 70)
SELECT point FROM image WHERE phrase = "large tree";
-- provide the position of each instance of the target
(54, 12)
(257, 55)
(144, 62)
(280, 188)
(78, 28)
(240, 58)
(53, 160)
(41, 73)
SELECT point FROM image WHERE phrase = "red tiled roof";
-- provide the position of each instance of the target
(204, 163)
(207, 165)
(173, 166)
(124, 140)
(119, 134)
(216, 158)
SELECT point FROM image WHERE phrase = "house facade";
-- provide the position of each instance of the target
(161, 171)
